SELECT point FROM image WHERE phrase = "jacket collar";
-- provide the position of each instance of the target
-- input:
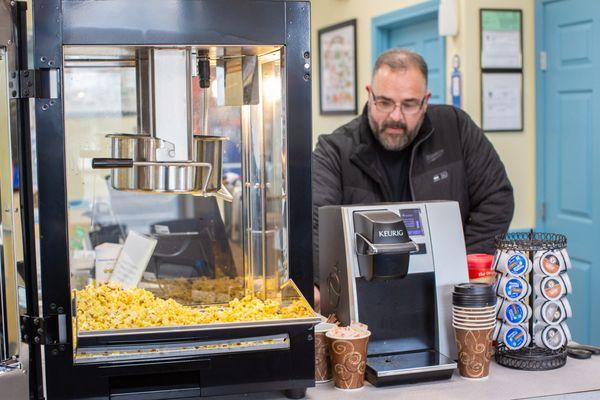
(364, 155)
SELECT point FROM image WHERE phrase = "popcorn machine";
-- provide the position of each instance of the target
(163, 156)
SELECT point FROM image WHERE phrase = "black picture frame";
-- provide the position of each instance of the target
(501, 70)
(338, 69)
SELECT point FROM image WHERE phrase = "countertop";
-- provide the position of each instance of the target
(577, 376)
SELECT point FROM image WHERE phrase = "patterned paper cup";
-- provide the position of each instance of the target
(348, 360)
(322, 363)
(474, 352)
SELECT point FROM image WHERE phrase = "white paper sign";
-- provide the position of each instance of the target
(501, 50)
(133, 260)
(106, 258)
(502, 101)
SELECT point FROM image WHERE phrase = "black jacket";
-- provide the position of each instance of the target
(451, 160)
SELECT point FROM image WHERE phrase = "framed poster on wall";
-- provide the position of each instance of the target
(501, 39)
(337, 68)
(502, 101)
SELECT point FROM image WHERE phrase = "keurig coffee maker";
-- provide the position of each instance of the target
(393, 266)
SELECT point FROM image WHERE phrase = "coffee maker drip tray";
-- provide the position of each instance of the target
(408, 367)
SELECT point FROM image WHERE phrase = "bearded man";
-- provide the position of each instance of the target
(403, 149)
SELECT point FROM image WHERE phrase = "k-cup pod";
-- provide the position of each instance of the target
(514, 312)
(513, 288)
(552, 312)
(514, 337)
(552, 287)
(513, 263)
(567, 259)
(550, 262)
(552, 337)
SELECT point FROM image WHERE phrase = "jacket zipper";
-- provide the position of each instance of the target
(412, 159)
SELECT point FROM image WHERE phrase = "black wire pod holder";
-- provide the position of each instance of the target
(531, 357)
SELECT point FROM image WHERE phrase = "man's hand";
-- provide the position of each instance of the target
(317, 299)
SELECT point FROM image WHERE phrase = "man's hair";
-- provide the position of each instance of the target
(401, 59)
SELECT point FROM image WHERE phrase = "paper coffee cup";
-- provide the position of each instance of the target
(552, 312)
(550, 262)
(513, 288)
(514, 263)
(348, 359)
(514, 312)
(474, 320)
(476, 310)
(474, 348)
(322, 362)
(476, 317)
(552, 337)
(552, 287)
(514, 337)
(474, 325)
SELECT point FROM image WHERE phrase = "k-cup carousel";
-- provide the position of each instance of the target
(532, 307)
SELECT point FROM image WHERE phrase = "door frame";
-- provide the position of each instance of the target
(382, 24)
(540, 117)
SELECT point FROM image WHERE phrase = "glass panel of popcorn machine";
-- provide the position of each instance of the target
(193, 231)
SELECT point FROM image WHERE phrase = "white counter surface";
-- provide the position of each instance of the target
(578, 376)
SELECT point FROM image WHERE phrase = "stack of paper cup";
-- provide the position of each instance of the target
(474, 318)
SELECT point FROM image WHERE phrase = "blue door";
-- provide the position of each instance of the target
(422, 37)
(415, 28)
(568, 137)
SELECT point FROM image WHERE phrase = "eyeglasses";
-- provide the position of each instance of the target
(388, 106)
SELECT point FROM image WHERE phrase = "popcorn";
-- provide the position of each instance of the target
(108, 306)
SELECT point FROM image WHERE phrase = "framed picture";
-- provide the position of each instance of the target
(337, 68)
(501, 39)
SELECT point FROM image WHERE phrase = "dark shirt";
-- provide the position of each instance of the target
(396, 164)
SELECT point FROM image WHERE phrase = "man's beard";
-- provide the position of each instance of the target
(393, 142)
